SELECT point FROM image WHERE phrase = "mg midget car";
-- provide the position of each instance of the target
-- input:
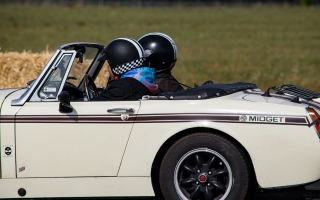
(215, 141)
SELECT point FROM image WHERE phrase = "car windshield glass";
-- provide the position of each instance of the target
(78, 69)
(52, 85)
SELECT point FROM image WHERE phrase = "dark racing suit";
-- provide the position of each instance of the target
(122, 90)
(166, 82)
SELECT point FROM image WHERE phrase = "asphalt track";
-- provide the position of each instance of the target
(314, 186)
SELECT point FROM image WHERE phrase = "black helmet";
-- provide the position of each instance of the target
(123, 54)
(162, 49)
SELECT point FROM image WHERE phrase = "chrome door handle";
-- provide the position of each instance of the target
(121, 110)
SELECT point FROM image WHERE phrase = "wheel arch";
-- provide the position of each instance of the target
(165, 146)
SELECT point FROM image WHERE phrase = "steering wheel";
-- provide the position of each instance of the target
(89, 86)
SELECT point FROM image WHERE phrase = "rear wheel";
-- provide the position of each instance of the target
(204, 166)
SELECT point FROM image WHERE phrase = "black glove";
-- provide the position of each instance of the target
(207, 82)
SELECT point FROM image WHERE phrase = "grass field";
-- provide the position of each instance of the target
(264, 45)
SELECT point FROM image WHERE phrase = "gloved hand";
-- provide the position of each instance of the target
(207, 82)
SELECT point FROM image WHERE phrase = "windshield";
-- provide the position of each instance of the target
(51, 87)
(78, 69)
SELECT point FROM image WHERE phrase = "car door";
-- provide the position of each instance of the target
(89, 141)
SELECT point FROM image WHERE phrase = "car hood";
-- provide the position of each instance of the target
(6, 92)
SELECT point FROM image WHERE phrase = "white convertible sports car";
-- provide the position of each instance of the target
(215, 141)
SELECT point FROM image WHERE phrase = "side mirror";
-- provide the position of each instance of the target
(80, 57)
(64, 100)
(80, 51)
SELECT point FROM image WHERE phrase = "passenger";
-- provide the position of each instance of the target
(130, 79)
(162, 56)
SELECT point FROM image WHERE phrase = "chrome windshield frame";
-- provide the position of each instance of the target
(30, 91)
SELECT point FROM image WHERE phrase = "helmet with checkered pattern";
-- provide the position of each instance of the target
(161, 49)
(123, 54)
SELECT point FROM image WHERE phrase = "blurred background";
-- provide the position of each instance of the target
(266, 42)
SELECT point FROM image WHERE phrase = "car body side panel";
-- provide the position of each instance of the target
(77, 187)
(290, 152)
(8, 162)
(287, 156)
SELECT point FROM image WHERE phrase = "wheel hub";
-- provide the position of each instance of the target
(203, 177)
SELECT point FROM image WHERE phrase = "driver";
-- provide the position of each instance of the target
(163, 56)
(130, 79)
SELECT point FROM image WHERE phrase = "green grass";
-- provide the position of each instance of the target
(264, 45)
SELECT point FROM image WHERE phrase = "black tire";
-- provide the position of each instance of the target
(204, 166)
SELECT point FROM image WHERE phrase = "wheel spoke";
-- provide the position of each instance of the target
(187, 182)
(220, 172)
(199, 160)
(188, 168)
(219, 186)
(195, 193)
(208, 195)
(211, 162)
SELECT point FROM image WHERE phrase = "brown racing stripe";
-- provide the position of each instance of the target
(147, 118)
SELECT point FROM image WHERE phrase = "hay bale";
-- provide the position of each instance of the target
(16, 69)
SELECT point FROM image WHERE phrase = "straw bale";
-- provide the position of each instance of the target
(16, 69)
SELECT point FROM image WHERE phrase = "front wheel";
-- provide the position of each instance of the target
(204, 166)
